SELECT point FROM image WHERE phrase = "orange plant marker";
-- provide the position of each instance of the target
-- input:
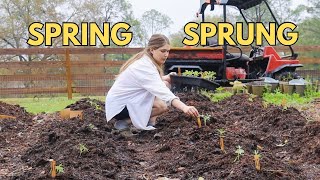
(222, 144)
(257, 162)
(6, 117)
(53, 168)
(283, 102)
(199, 121)
(65, 113)
(76, 114)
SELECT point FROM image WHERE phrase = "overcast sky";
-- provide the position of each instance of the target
(180, 11)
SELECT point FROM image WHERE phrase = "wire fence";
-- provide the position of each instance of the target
(85, 71)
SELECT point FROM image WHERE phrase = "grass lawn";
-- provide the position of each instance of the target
(44, 104)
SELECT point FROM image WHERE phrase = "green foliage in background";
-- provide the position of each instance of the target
(47, 105)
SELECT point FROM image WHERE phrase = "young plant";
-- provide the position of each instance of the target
(95, 105)
(251, 97)
(91, 126)
(196, 73)
(267, 88)
(188, 73)
(257, 157)
(83, 149)
(277, 90)
(221, 139)
(219, 94)
(239, 152)
(98, 107)
(238, 87)
(206, 118)
(209, 75)
(265, 104)
(220, 89)
(60, 169)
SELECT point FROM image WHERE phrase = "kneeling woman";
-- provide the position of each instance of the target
(140, 93)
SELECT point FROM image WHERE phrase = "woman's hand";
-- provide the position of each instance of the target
(172, 73)
(167, 77)
(191, 110)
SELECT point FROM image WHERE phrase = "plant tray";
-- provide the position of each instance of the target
(186, 83)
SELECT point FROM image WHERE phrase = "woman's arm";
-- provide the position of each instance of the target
(190, 110)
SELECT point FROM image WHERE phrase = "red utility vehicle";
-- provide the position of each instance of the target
(260, 62)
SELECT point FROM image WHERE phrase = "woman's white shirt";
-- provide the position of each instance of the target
(136, 88)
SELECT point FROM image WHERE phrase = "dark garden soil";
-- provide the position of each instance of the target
(178, 149)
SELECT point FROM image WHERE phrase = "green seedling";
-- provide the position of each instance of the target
(265, 104)
(267, 88)
(206, 118)
(196, 73)
(221, 132)
(83, 149)
(188, 73)
(239, 152)
(238, 87)
(251, 97)
(277, 91)
(95, 105)
(209, 75)
(91, 126)
(217, 96)
(220, 89)
(60, 169)
(98, 107)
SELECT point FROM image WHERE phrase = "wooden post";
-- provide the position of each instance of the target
(179, 71)
(68, 74)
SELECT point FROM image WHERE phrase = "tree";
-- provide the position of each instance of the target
(309, 28)
(154, 22)
(17, 15)
(176, 38)
(282, 10)
(101, 11)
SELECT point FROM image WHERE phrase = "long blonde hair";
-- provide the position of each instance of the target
(155, 42)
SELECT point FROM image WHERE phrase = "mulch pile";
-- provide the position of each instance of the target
(289, 145)
(12, 132)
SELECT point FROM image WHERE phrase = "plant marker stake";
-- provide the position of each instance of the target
(257, 162)
(53, 168)
(221, 144)
(199, 121)
(179, 71)
(284, 102)
(6, 117)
